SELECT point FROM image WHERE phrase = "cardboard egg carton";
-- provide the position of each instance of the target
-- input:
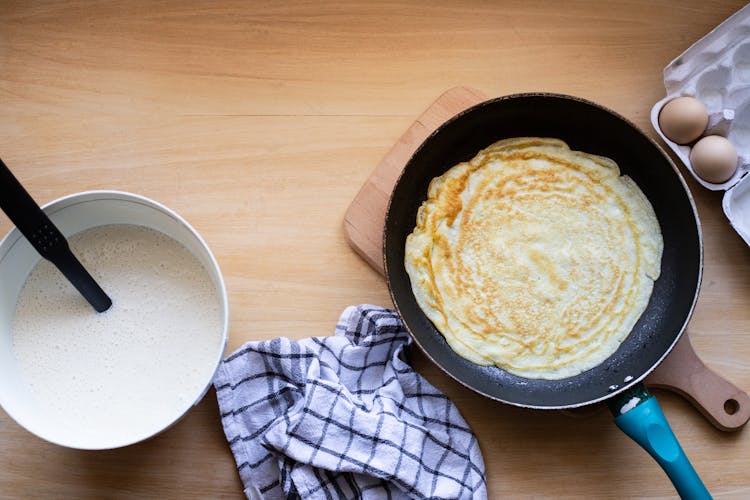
(716, 71)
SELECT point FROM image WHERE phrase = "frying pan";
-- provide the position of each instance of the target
(588, 127)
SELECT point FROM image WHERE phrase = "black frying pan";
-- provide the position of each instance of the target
(587, 127)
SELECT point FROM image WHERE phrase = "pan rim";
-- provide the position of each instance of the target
(659, 149)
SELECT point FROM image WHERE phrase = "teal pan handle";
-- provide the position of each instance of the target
(646, 425)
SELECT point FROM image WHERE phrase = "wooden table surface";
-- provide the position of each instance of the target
(259, 121)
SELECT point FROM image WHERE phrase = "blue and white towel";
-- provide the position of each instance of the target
(344, 417)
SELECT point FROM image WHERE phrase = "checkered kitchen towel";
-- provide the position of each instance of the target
(344, 417)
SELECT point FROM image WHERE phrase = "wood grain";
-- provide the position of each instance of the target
(260, 121)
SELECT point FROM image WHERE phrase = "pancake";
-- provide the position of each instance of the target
(534, 258)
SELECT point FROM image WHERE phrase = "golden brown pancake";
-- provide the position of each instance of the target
(534, 258)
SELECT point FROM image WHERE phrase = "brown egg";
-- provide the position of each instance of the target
(714, 159)
(683, 119)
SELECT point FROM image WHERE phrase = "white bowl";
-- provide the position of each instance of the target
(71, 215)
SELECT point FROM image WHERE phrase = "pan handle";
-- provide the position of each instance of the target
(724, 404)
(638, 414)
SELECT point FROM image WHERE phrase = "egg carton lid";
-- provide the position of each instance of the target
(732, 31)
(677, 75)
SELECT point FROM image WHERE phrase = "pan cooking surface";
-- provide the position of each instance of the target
(585, 127)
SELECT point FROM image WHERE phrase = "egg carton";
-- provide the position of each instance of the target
(716, 71)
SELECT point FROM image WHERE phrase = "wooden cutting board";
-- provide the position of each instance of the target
(721, 402)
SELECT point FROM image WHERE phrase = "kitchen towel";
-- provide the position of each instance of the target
(344, 416)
